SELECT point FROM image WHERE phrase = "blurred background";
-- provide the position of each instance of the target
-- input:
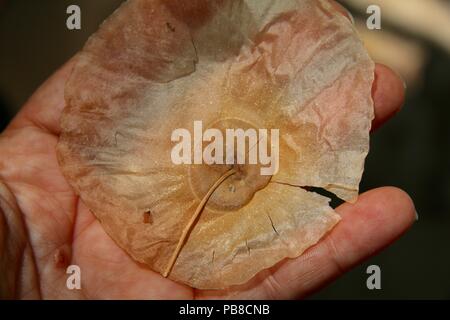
(411, 152)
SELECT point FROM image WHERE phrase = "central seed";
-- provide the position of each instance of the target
(239, 188)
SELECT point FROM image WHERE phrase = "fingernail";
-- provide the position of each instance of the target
(405, 85)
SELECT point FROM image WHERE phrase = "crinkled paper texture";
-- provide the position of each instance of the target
(155, 66)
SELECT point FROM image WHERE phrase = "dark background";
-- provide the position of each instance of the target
(411, 152)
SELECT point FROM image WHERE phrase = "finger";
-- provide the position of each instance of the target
(378, 218)
(44, 108)
(388, 92)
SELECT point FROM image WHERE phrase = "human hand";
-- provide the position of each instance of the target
(44, 226)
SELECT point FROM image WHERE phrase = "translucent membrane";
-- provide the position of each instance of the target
(156, 66)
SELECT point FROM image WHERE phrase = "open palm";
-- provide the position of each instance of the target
(45, 227)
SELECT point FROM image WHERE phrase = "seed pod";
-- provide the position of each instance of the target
(156, 66)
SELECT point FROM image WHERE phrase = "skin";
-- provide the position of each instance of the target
(44, 227)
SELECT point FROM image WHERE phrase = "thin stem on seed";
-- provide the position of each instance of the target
(193, 219)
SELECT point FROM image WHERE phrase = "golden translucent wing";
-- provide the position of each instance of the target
(156, 66)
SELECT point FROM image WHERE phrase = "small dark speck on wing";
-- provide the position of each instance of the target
(170, 27)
